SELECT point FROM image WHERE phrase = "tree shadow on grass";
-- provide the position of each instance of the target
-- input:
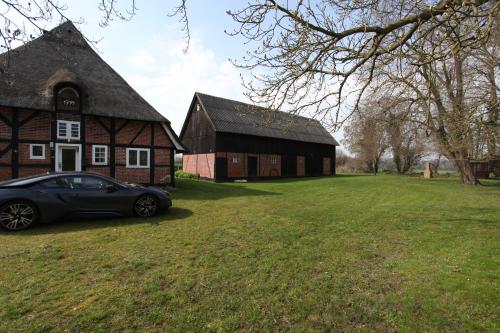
(75, 225)
(490, 182)
(188, 189)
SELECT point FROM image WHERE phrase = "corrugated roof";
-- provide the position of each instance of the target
(63, 55)
(236, 117)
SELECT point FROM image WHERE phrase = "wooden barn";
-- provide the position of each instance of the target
(62, 108)
(228, 140)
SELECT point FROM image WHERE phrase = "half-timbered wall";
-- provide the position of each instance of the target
(20, 128)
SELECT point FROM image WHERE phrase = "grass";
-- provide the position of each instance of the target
(345, 254)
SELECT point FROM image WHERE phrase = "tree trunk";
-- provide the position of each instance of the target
(466, 172)
(375, 167)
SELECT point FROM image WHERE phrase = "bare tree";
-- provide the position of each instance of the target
(316, 54)
(323, 56)
(23, 20)
(366, 136)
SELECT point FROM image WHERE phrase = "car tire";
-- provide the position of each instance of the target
(146, 205)
(18, 215)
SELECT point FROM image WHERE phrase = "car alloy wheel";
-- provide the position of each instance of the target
(17, 215)
(146, 206)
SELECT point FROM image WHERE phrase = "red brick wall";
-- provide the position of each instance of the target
(132, 175)
(162, 156)
(326, 166)
(236, 170)
(103, 170)
(26, 171)
(5, 173)
(120, 155)
(7, 157)
(128, 133)
(24, 155)
(301, 166)
(161, 138)
(200, 164)
(95, 133)
(37, 128)
(162, 175)
(5, 131)
(266, 168)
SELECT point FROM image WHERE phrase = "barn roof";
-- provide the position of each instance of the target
(231, 116)
(31, 71)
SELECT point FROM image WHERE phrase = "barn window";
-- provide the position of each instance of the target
(68, 99)
(137, 158)
(99, 155)
(236, 159)
(68, 129)
(37, 152)
(274, 160)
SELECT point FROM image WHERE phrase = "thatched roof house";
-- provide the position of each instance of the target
(61, 76)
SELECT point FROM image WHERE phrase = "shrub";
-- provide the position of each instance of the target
(182, 174)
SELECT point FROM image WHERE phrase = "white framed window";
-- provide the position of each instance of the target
(68, 129)
(37, 151)
(137, 157)
(236, 159)
(99, 155)
(274, 160)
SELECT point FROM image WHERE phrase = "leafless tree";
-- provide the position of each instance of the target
(323, 56)
(316, 54)
(366, 136)
(23, 20)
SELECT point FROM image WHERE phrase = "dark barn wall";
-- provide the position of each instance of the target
(198, 135)
(256, 144)
(312, 154)
(288, 149)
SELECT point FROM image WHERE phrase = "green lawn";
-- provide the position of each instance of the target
(344, 254)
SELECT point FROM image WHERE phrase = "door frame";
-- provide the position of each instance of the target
(78, 157)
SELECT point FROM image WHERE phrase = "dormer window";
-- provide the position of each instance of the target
(68, 99)
(68, 130)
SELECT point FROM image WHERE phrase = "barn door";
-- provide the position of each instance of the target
(252, 166)
(221, 168)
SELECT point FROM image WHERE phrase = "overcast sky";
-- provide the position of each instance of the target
(148, 51)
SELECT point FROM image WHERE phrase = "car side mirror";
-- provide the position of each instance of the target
(111, 188)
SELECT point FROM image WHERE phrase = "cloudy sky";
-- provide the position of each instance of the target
(148, 51)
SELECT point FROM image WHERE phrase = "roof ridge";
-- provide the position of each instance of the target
(261, 107)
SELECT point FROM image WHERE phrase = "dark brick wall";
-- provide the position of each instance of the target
(36, 128)
(133, 134)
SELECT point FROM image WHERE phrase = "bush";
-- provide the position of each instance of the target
(182, 174)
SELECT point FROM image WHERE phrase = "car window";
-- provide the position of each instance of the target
(58, 182)
(87, 183)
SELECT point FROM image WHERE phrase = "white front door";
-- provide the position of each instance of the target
(68, 157)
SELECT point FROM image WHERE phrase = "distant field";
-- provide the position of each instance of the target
(352, 253)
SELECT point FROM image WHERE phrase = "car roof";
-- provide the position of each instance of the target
(25, 181)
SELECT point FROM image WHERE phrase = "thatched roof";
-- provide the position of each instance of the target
(231, 116)
(29, 73)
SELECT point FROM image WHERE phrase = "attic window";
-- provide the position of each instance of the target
(198, 107)
(68, 99)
